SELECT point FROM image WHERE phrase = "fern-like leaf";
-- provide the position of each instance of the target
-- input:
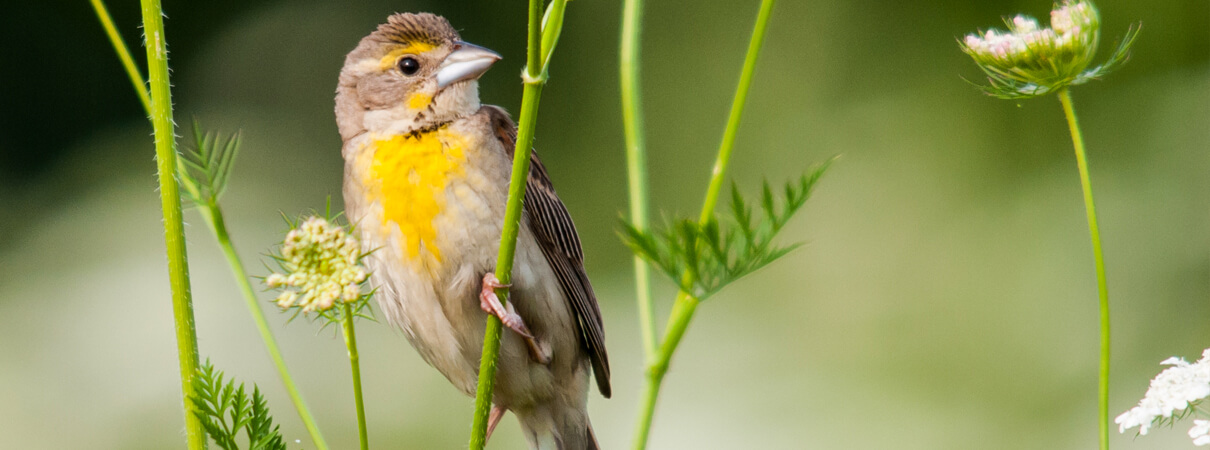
(703, 258)
(225, 410)
(204, 168)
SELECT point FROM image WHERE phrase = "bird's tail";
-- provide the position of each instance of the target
(592, 439)
(563, 430)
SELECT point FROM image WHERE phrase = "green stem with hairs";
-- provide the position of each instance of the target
(350, 334)
(636, 160)
(1090, 209)
(213, 215)
(685, 304)
(541, 40)
(174, 227)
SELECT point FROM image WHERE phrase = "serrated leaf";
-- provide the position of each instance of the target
(704, 258)
(204, 167)
(225, 410)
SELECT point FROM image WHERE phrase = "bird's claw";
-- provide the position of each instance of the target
(490, 302)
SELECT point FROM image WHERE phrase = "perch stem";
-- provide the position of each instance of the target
(541, 41)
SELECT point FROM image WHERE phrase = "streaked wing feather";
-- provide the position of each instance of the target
(556, 235)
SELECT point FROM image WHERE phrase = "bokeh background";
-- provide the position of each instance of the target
(945, 299)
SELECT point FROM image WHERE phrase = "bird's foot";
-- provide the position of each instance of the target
(509, 317)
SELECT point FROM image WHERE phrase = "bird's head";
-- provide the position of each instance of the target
(414, 72)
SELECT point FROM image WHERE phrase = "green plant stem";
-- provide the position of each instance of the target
(119, 46)
(213, 215)
(1077, 140)
(174, 227)
(350, 335)
(685, 304)
(636, 160)
(534, 78)
(504, 266)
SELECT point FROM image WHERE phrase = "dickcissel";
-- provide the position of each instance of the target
(426, 181)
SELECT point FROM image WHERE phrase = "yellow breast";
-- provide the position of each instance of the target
(408, 176)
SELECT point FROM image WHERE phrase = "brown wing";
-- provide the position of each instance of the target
(556, 234)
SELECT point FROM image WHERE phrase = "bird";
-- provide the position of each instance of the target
(426, 177)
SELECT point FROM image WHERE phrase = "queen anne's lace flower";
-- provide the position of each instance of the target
(1038, 55)
(1200, 433)
(1028, 60)
(320, 261)
(1175, 389)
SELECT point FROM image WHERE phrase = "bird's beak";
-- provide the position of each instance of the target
(467, 62)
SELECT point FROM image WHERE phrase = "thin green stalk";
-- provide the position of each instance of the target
(213, 216)
(636, 159)
(350, 334)
(504, 266)
(1077, 140)
(174, 227)
(534, 78)
(685, 304)
(119, 46)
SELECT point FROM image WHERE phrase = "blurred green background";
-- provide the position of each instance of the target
(945, 299)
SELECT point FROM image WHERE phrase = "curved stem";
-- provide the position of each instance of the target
(685, 304)
(213, 216)
(170, 202)
(1077, 140)
(636, 160)
(534, 79)
(350, 335)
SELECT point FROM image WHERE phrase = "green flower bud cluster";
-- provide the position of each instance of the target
(321, 266)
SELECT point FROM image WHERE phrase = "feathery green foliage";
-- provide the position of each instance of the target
(203, 169)
(226, 410)
(717, 253)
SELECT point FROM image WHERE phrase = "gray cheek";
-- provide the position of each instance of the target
(382, 90)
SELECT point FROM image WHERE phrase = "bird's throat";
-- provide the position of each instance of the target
(408, 176)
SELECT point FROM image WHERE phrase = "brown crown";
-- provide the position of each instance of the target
(411, 28)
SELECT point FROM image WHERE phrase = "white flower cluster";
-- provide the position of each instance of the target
(1040, 54)
(1200, 433)
(320, 261)
(1176, 388)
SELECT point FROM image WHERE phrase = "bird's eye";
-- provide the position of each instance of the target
(409, 65)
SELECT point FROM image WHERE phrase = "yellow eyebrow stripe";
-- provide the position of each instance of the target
(415, 48)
